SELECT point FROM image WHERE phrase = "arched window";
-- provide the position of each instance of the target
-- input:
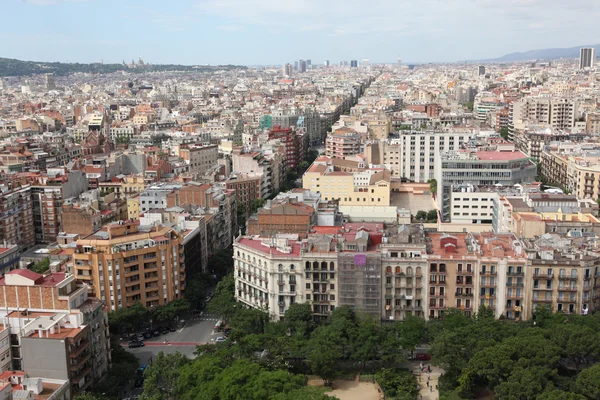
(292, 266)
(409, 271)
(315, 265)
(562, 272)
(280, 267)
(388, 270)
(331, 266)
(308, 265)
(398, 270)
(418, 271)
(238, 253)
(324, 265)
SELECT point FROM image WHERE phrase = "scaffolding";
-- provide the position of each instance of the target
(359, 281)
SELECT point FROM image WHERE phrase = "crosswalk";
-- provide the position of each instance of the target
(205, 317)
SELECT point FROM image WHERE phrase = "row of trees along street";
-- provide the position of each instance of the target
(550, 357)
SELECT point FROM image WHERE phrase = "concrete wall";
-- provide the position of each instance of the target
(44, 357)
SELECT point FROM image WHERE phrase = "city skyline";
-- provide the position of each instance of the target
(224, 31)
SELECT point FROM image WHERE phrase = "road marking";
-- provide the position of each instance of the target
(184, 325)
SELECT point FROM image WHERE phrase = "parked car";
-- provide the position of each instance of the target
(220, 339)
(155, 333)
(139, 337)
(172, 328)
(136, 343)
(422, 357)
(164, 330)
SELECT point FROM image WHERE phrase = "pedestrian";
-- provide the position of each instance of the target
(431, 389)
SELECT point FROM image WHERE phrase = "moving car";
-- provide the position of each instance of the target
(220, 339)
(135, 343)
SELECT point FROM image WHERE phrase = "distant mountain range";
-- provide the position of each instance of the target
(12, 67)
(544, 54)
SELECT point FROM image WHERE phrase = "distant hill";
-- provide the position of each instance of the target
(544, 54)
(12, 67)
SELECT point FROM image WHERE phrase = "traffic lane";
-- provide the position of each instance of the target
(195, 330)
(147, 353)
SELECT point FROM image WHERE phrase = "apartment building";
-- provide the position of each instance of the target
(555, 112)
(49, 193)
(294, 148)
(387, 153)
(403, 263)
(342, 143)
(421, 150)
(268, 274)
(200, 159)
(288, 216)
(16, 216)
(533, 141)
(156, 196)
(247, 189)
(255, 164)
(368, 188)
(56, 330)
(502, 166)
(125, 263)
(18, 385)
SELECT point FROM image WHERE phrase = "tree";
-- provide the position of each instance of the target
(484, 313)
(256, 204)
(577, 342)
(326, 347)
(432, 186)
(241, 217)
(42, 266)
(89, 396)
(365, 340)
(504, 132)
(432, 216)
(397, 383)
(128, 318)
(588, 382)
(170, 311)
(299, 319)
(196, 290)
(524, 384)
(161, 376)
(311, 156)
(223, 302)
(304, 393)
(421, 215)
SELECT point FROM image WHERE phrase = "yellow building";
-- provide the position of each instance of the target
(133, 208)
(124, 265)
(133, 184)
(366, 188)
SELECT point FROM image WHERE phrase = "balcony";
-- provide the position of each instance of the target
(538, 300)
(80, 363)
(77, 378)
(488, 273)
(76, 352)
(567, 289)
(543, 288)
(567, 278)
(540, 275)
(515, 273)
(462, 294)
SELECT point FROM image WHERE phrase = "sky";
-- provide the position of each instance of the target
(273, 32)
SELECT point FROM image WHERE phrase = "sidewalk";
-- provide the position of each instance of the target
(425, 392)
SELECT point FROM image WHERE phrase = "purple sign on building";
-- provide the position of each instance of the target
(360, 259)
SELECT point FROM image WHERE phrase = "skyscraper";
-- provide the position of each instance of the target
(295, 65)
(308, 64)
(353, 63)
(587, 57)
(50, 82)
(287, 69)
(481, 70)
(326, 63)
(302, 66)
(399, 61)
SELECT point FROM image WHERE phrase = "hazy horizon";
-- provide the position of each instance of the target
(270, 32)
